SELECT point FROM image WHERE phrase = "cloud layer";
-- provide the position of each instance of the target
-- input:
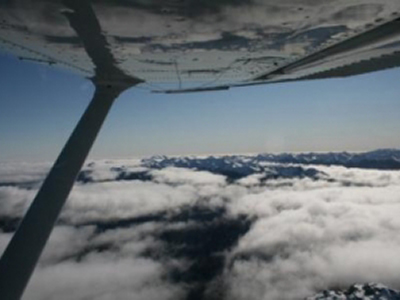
(129, 231)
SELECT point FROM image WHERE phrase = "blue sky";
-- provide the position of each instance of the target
(39, 107)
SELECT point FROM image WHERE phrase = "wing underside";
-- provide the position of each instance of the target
(191, 46)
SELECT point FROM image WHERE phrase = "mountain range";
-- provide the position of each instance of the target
(369, 291)
(269, 166)
(382, 159)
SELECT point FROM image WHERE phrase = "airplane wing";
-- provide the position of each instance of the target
(372, 50)
(189, 46)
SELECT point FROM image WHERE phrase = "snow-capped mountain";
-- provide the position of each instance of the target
(370, 291)
(269, 166)
(378, 159)
(233, 167)
(384, 159)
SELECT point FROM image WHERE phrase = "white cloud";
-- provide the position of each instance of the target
(20, 172)
(101, 278)
(306, 240)
(187, 176)
(14, 201)
(65, 242)
(306, 234)
(124, 199)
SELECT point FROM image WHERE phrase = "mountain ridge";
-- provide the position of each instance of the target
(382, 159)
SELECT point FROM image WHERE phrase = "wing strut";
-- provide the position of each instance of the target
(20, 257)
